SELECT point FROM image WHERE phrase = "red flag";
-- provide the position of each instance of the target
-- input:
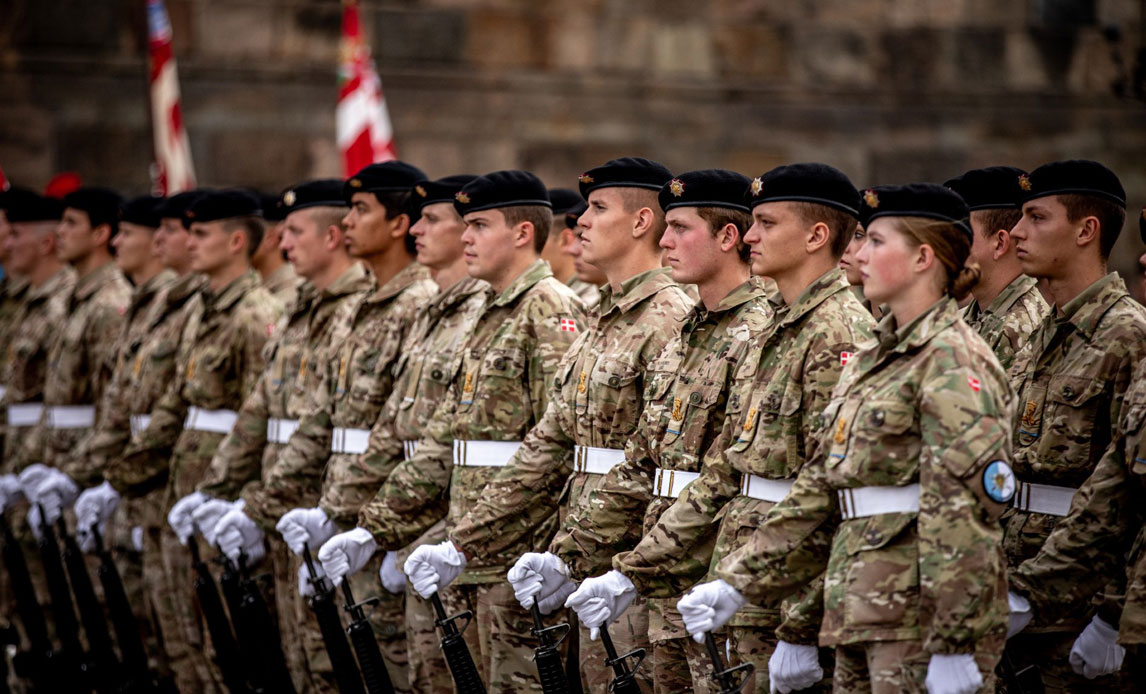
(3, 181)
(364, 132)
(173, 170)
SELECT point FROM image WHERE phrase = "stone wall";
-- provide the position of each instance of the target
(888, 90)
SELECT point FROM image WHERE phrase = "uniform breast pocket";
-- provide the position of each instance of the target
(365, 382)
(880, 556)
(689, 412)
(882, 443)
(208, 375)
(430, 379)
(615, 395)
(500, 384)
(1073, 406)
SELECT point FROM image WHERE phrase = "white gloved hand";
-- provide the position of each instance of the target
(433, 567)
(305, 526)
(541, 577)
(179, 517)
(1096, 651)
(391, 575)
(1021, 614)
(601, 599)
(793, 667)
(708, 606)
(305, 587)
(953, 674)
(94, 507)
(55, 493)
(208, 514)
(137, 538)
(237, 534)
(346, 553)
(33, 521)
(31, 477)
(10, 491)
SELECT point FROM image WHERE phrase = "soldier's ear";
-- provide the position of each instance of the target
(1003, 244)
(644, 222)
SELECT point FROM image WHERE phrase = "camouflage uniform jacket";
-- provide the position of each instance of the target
(1104, 528)
(1070, 380)
(12, 292)
(355, 380)
(1008, 321)
(927, 404)
(284, 285)
(44, 309)
(301, 340)
(79, 367)
(589, 293)
(218, 362)
(596, 400)
(501, 390)
(674, 428)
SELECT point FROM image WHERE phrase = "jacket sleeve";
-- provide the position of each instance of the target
(238, 459)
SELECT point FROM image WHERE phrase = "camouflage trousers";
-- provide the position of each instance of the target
(1049, 654)
(679, 663)
(499, 638)
(294, 615)
(167, 576)
(429, 673)
(894, 667)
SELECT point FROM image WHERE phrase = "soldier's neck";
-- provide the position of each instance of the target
(992, 282)
(714, 289)
(1073, 281)
(145, 274)
(388, 264)
(44, 271)
(793, 282)
(267, 265)
(448, 276)
(226, 275)
(326, 277)
(91, 262)
(638, 260)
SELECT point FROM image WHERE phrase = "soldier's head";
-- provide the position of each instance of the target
(706, 220)
(380, 216)
(172, 235)
(226, 227)
(438, 232)
(268, 255)
(507, 216)
(848, 261)
(1073, 212)
(31, 242)
(564, 200)
(136, 251)
(89, 223)
(993, 196)
(313, 237)
(803, 218)
(586, 271)
(918, 243)
(624, 216)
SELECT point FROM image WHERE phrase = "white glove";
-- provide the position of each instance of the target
(179, 517)
(93, 508)
(391, 576)
(237, 534)
(305, 526)
(601, 599)
(33, 520)
(10, 491)
(708, 606)
(346, 553)
(137, 538)
(55, 493)
(305, 587)
(1096, 651)
(953, 674)
(1021, 614)
(541, 577)
(208, 514)
(793, 667)
(433, 567)
(31, 477)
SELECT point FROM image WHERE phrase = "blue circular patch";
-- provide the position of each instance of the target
(999, 481)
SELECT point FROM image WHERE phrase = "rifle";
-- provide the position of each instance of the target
(245, 632)
(137, 676)
(457, 653)
(227, 655)
(333, 637)
(725, 676)
(73, 669)
(1024, 681)
(550, 669)
(268, 642)
(102, 664)
(374, 671)
(625, 678)
(36, 664)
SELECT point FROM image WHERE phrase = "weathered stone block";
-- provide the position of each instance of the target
(419, 36)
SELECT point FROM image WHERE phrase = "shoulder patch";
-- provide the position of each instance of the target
(568, 325)
(999, 481)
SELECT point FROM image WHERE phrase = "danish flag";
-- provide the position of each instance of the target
(173, 170)
(974, 383)
(568, 325)
(845, 357)
(364, 133)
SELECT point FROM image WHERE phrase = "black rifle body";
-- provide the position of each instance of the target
(103, 665)
(227, 655)
(374, 672)
(456, 651)
(333, 636)
(37, 664)
(624, 678)
(132, 650)
(550, 669)
(71, 653)
(728, 678)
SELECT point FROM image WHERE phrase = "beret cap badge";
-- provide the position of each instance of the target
(870, 198)
(462, 198)
(585, 178)
(1025, 182)
(420, 191)
(289, 198)
(676, 187)
(355, 183)
(756, 186)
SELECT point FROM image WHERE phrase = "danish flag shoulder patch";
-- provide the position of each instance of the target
(845, 357)
(973, 383)
(568, 325)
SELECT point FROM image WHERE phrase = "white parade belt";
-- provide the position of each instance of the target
(280, 430)
(25, 414)
(354, 441)
(71, 416)
(862, 502)
(597, 461)
(1043, 498)
(408, 448)
(764, 489)
(484, 453)
(670, 483)
(211, 421)
(139, 422)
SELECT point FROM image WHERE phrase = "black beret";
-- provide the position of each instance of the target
(176, 206)
(272, 205)
(929, 200)
(1142, 224)
(323, 192)
(564, 199)
(574, 213)
(214, 205)
(143, 211)
(626, 172)
(100, 204)
(501, 189)
(992, 188)
(386, 177)
(705, 188)
(23, 205)
(441, 190)
(816, 183)
(1073, 177)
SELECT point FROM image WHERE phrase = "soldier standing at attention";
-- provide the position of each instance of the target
(12, 288)
(270, 261)
(1007, 305)
(1070, 380)
(568, 206)
(906, 476)
(500, 391)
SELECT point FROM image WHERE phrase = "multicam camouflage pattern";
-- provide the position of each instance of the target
(26, 364)
(1009, 320)
(590, 294)
(284, 285)
(301, 341)
(1070, 380)
(894, 667)
(596, 401)
(927, 404)
(12, 293)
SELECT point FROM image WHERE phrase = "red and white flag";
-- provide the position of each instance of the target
(174, 172)
(3, 181)
(364, 133)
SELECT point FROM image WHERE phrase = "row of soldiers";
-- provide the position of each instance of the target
(724, 442)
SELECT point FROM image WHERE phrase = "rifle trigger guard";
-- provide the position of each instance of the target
(721, 677)
(368, 602)
(637, 653)
(560, 631)
(465, 614)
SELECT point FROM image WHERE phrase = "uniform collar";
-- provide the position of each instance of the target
(280, 278)
(414, 272)
(1087, 309)
(95, 280)
(537, 271)
(144, 292)
(15, 286)
(752, 289)
(55, 283)
(825, 286)
(353, 280)
(229, 295)
(1006, 298)
(919, 331)
(457, 293)
(635, 290)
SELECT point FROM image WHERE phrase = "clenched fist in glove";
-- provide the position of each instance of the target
(237, 534)
(208, 514)
(55, 493)
(305, 527)
(1096, 651)
(93, 509)
(346, 553)
(179, 517)
(708, 606)
(601, 599)
(543, 578)
(433, 567)
(953, 674)
(793, 667)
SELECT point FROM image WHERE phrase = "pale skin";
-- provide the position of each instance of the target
(994, 251)
(788, 248)
(171, 245)
(586, 272)
(495, 251)
(556, 249)
(219, 254)
(438, 235)
(376, 240)
(848, 262)
(136, 252)
(82, 245)
(267, 258)
(618, 242)
(31, 251)
(699, 255)
(908, 278)
(316, 250)
(1064, 254)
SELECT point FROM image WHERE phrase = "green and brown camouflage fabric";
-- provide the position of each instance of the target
(1009, 320)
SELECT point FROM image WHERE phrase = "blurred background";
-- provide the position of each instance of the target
(887, 90)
